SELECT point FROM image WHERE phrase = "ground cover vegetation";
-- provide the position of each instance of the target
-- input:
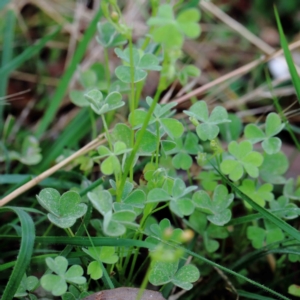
(149, 167)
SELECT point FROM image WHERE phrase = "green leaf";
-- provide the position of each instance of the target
(170, 31)
(271, 145)
(95, 270)
(148, 142)
(245, 159)
(216, 209)
(164, 231)
(254, 133)
(172, 127)
(54, 284)
(209, 180)
(64, 209)
(140, 64)
(105, 254)
(282, 204)
(260, 195)
(185, 276)
(273, 124)
(157, 195)
(58, 265)
(188, 22)
(101, 106)
(162, 272)
(30, 153)
(261, 237)
(209, 129)
(74, 275)
(231, 131)
(273, 167)
(294, 290)
(182, 161)
(108, 36)
(88, 78)
(122, 133)
(290, 190)
(102, 201)
(110, 165)
(77, 97)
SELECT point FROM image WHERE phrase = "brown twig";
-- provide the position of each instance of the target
(90, 146)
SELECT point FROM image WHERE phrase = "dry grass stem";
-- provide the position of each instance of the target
(33, 182)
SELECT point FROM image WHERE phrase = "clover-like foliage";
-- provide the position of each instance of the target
(209, 232)
(273, 167)
(108, 36)
(164, 232)
(57, 283)
(259, 194)
(180, 203)
(260, 237)
(208, 129)
(209, 180)
(103, 254)
(111, 163)
(186, 72)
(115, 222)
(184, 149)
(27, 285)
(131, 199)
(100, 105)
(122, 133)
(273, 126)
(30, 152)
(63, 209)
(291, 190)
(294, 290)
(165, 272)
(284, 208)
(75, 293)
(161, 117)
(170, 31)
(244, 159)
(141, 64)
(216, 208)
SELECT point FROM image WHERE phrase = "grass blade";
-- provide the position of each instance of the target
(288, 56)
(234, 273)
(7, 53)
(26, 54)
(25, 252)
(84, 241)
(63, 84)
(248, 295)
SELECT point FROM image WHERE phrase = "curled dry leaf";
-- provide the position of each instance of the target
(125, 293)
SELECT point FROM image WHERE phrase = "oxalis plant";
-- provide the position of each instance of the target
(216, 223)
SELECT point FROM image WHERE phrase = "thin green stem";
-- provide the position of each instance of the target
(138, 141)
(93, 124)
(107, 69)
(157, 143)
(107, 132)
(143, 285)
(132, 97)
